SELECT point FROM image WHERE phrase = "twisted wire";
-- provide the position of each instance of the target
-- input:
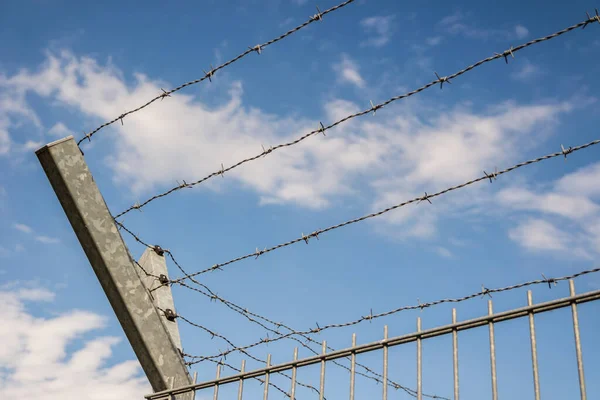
(208, 75)
(373, 108)
(427, 197)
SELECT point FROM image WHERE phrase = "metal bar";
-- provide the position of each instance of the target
(419, 366)
(216, 395)
(395, 341)
(323, 362)
(294, 369)
(352, 367)
(241, 387)
(492, 353)
(106, 251)
(266, 392)
(582, 390)
(385, 364)
(534, 361)
(455, 354)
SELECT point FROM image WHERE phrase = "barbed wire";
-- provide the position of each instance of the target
(373, 109)
(427, 197)
(209, 75)
(420, 306)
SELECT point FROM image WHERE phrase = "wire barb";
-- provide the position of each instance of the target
(318, 16)
(491, 176)
(210, 73)
(164, 94)
(442, 79)
(426, 197)
(374, 107)
(595, 18)
(257, 49)
(506, 53)
(566, 151)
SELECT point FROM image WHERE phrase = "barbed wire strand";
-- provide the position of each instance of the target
(427, 197)
(420, 306)
(209, 75)
(373, 108)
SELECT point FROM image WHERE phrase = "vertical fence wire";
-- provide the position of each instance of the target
(216, 394)
(241, 386)
(455, 354)
(582, 390)
(322, 385)
(294, 370)
(534, 360)
(352, 367)
(493, 353)
(385, 365)
(419, 366)
(266, 392)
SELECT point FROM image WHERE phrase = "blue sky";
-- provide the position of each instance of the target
(66, 67)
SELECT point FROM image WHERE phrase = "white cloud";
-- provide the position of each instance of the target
(35, 362)
(40, 238)
(348, 72)
(23, 228)
(521, 32)
(526, 72)
(434, 41)
(570, 203)
(47, 239)
(444, 252)
(537, 234)
(379, 29)
(428, 149)
(459, 24)
(60, 130)
(31, 145)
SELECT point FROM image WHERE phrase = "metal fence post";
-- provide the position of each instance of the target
(101, 241)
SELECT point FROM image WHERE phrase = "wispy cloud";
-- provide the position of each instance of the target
(537, 234)
(526, 72)
(348, 72)
(60, 130)
(23, 228)
(459, 24)
(39, 238)
(47, 239)
(378, 29)
(434, 41)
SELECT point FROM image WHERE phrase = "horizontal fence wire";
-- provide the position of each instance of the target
(373, 108)
(209, 75)
(487, 320)
(427, 197)
(420, 306)
(261, 380)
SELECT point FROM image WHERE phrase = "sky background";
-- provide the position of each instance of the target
(66, 67)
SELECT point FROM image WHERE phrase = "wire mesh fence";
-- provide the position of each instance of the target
(418, 338)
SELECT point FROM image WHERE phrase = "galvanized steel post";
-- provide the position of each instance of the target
(101, 241)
